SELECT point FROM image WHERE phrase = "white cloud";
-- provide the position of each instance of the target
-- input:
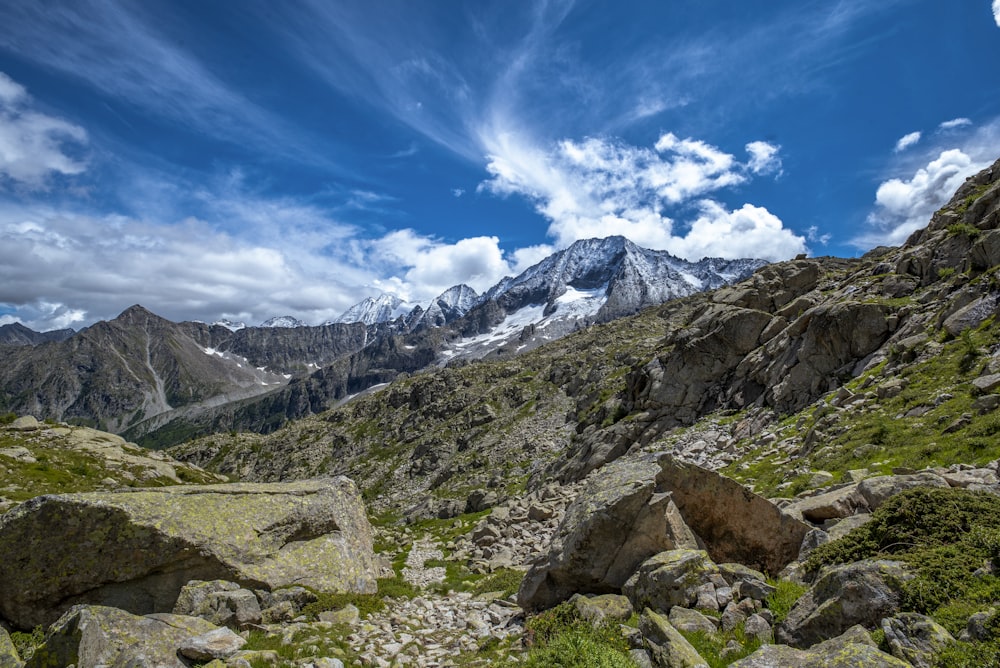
(425, 267)
(763, 158)
(996, 12)
(600, 187)
(955, 122)
(814, 236)
(458, 192)
(32, 144)
(750, 231)
(905, 205)
(907, 140)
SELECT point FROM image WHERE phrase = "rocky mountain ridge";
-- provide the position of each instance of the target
(201, 378)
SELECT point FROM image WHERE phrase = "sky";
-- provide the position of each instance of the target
(244, 160)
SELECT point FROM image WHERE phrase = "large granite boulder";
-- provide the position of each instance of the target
(135, 550)
(639, 506)
(617, 522)
(667, 647)
(88, 636)
(862, 593)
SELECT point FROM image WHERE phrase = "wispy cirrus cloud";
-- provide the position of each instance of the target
(119, 51)
(907, 140)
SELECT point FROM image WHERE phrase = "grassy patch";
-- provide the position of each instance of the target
(712, 646)
(366, 604)
(561, 638)
(945, 536)
(784, 597)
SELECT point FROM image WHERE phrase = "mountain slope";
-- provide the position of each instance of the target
(761, 371)
(16, 334)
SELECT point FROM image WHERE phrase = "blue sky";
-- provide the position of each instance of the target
(248, 159)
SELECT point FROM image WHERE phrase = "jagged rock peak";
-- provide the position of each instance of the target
(283, 321)
(373, 310)
(449, 306)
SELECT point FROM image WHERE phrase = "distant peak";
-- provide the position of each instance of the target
(283, 321)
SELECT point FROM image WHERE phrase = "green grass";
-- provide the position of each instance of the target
(366, 604)
(945, 536)
(884, 437)
(712, 646)
(784, 597)
(561, 638)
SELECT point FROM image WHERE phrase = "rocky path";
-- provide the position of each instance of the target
(434, 630)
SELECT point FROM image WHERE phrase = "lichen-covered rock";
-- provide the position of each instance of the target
(862, 592)
(852, 649)
(9, 657)
(603, 608)
(88, 636)
(670, 578)
(135, 550)
(915, 638)
(667, 646)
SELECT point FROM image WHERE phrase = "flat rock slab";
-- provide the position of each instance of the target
(135, 550)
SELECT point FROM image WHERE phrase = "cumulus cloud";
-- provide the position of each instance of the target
(426, 267)
(907, 140)
(750, 231)
(598, 187)
(33, 145)
(996, 12)
(904, 205)
(955, 122)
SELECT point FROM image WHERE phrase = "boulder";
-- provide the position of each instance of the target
(670, 578)
(601, 609)
(877, 490)
(688, 620)
(734, 524)
(639, 506)
(216, 644)
(862, 592)
(835, 504)
(915, 638)
(88, 636)
(616, 522)
(220, 602)
(667, 646)
(135, 550)
(848, 656)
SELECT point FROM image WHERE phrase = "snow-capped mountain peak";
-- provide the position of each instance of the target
(374, 310)
(230, 325)
(283, 321)
(450, 305)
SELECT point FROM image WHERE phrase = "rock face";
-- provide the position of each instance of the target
(637, 507)
(136, 550)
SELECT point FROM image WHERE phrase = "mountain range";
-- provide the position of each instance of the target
(158, 382)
